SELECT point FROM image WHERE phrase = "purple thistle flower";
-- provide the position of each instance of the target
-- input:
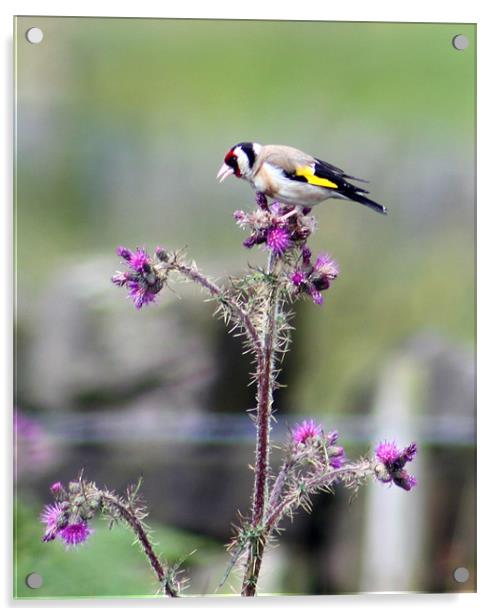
(139, 261)
(409, 452)
(75, 534)
(278, 225)
(404, 480)
(298, 278)
(120, 278)
(140, 294)
(53, 517)
(312, 279)
(326, 267)
(392, 465)
(56, 488)
(51, 514)
(278, 240)
(317, 298)
(387, 452)
(142, 281)
(337, 461)
(123, 252)
(332, 437)
(324, 272)
(50, 535)
(306, 430)
(240, 217)
(336, 453)
(306, 255)
(250, 241)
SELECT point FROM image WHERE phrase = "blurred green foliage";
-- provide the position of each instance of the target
(101, 90)
(122, 124)
(191, 75)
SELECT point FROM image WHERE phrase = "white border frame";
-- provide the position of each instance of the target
(478, 11)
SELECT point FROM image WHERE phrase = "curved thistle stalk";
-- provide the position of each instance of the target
(68, 519)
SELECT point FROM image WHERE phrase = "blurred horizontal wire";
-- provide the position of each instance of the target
(194, 427)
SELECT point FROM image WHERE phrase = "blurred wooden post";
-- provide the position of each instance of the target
(395, 519)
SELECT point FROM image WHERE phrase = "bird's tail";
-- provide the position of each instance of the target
(356, 194)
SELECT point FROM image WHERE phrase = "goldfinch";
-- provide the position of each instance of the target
(291, 176)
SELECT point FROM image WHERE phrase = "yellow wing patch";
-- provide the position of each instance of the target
(308, 174)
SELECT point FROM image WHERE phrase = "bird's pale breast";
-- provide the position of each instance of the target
(272, 182)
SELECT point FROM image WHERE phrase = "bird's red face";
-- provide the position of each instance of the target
(231, 159)
(240, 161)
(230, 166)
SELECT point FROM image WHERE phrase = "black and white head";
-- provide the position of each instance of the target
(240, 161)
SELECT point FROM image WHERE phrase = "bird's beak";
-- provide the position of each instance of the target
(224, 172)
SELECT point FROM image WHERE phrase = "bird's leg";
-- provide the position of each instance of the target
(261, 200)
(292, 212)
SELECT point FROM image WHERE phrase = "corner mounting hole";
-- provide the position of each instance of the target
(460, 42)
(34, 580)
(461, 575)
(34, 35)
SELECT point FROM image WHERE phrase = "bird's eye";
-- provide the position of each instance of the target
(231, 160)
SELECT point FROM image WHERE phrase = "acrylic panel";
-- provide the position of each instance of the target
(322, 424)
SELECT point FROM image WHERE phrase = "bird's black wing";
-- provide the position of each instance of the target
(325, 175)
(330, 173)
(325, 170)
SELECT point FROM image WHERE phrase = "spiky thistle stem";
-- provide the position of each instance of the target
(279, 484)
(351, 475)
(126, 513)
(191, 272)
(265, 386)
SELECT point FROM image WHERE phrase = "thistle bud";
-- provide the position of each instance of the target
(382, 473)
(74, 487)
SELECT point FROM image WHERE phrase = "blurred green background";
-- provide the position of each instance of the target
(121, 126)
